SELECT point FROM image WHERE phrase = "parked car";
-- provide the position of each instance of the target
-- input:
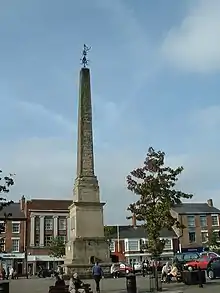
(137, 266)
(201, 263)
(210, 254)
(184, 257)
(44, 273)
(125, 268)
(213, 268)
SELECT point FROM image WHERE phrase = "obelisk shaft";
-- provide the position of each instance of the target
(85, 156)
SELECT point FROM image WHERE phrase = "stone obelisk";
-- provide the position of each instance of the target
(87, 242)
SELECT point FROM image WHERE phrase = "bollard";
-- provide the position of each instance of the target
(131, 283)
(200, 278)
(4, 287)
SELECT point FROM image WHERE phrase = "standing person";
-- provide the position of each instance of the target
(11, 273)
(97, 274)
(165, 271)
(7, 273)
(114, 271)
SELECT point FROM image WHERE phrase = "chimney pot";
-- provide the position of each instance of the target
(22, 203)
(134, 221)
(210, 202)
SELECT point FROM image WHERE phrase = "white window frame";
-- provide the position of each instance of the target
(18, 239)
(45, 224)
(112, 245)
(17, 223)
(194, 224)
(217, 231)
(203, 216)
(3, 246)
(171, 243)
(207, 232)
(215, 215)
(45, 242)
(63, 237)
(64, 228)
(3, 222)
(126, 243)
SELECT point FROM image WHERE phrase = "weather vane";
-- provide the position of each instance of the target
(84, 60)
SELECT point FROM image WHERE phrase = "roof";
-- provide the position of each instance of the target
(195, 208)
(139, 232)
(15, 211)
(48, 204)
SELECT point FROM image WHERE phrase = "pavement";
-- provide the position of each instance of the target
(36, 285)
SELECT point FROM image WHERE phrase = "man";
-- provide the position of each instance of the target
(76, 285)
(97, 274)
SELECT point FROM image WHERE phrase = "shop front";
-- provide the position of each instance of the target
(15, 260)
(36, 262)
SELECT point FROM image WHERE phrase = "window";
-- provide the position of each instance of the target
(192, 237)
(15, 227)
(168, 244)
(47, 240)
(204, 236)
(215, 220)
(48, 224)
(2, 245)
(203, 221)
(62, 224)
(37, 239)
(2, 227)
(216, 233)
(132, 245)
(15, 245)
(63, 238)
(37, 224)
(112, 246)
(191, 221)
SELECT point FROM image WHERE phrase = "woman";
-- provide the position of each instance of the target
(75, 284)
(165, 271)
(173, 273)
(114, 271)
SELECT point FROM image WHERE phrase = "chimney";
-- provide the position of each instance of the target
(134, 221)
(22, 203)
(210, 202)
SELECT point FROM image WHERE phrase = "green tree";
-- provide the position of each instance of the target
(154, 183)
(213, 241)
(109, 231)
(5, 183)
(57, 247)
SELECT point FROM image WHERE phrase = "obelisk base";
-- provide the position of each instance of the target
(82, 253)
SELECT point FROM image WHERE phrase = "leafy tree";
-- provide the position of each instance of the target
(5, 183)
(109, 231)
(57, 247)
(213, 241)
(154, 183)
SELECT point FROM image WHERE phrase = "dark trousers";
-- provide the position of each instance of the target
(97, 282)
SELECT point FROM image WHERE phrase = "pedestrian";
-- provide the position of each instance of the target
(97, 274)
(11, 273)
(114, 271)
(76, 285)
(7, 273)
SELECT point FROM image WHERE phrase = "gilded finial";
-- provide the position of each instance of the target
(84, 60)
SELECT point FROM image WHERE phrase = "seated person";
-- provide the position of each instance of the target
(165, 272)
(172, 274)
(76, 285)
(59, 281)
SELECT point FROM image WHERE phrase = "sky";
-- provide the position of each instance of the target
(155, 73)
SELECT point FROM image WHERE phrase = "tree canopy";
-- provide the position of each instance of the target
(213, 241)
(109, 231)
(154, 183)
(5, 183)
(57, 247)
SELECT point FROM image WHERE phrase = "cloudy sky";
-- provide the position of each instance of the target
(155, 68)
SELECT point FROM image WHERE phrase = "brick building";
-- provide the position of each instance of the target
(128, 242)
(199, 219)
(46, 219)
(13, 235)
